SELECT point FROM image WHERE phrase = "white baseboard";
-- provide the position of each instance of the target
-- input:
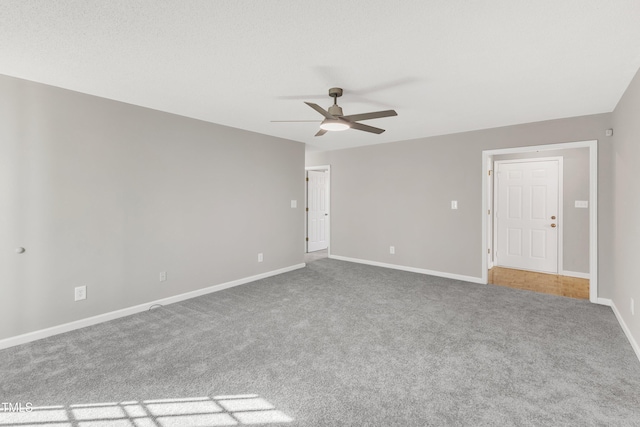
(626, 330)
(59, 329)
(575, 274)
(604, 301)
(411, 269)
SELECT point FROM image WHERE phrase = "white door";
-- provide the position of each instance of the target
(527, 215)
(317, 214)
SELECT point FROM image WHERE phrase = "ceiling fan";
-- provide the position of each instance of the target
(335, 120)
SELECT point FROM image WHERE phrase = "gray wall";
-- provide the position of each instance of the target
(107, 195)
(575, 224)
(626, 206)
(399, 194)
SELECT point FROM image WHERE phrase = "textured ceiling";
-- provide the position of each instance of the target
(445, 66)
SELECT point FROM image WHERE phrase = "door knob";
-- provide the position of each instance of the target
(553, 217)
(553, 226)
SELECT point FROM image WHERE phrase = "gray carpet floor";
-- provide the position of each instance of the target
(336, 344)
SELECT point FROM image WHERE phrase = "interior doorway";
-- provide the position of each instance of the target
(586, 208)
(318, 214)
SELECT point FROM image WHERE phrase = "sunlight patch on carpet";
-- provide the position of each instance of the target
(224, 410)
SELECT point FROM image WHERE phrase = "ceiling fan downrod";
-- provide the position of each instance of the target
(335, 109)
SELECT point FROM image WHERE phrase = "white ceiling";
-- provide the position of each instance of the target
(445, 66)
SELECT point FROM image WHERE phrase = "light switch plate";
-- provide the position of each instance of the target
(454, 204)
(294, 204)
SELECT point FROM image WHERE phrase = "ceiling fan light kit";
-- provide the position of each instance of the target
(334, 125)
(335, 120)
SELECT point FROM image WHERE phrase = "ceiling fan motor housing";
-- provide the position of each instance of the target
(335, 110)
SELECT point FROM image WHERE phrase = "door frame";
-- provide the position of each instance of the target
(487, 155)
(490, 208)
(326, 168)
(560, 214)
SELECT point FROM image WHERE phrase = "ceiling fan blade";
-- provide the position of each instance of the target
(386, 85)
(366, 128)
(296, 121)
(369, 116)
(320, 110)
(321, 132)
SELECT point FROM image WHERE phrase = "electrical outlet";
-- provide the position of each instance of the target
(633, 307)
(294, 204)
(80, 293)
(454, 204)
(392, 250)
(163, 276)
(260, 257)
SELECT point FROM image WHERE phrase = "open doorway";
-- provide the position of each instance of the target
(574, 222)
(317, 218)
